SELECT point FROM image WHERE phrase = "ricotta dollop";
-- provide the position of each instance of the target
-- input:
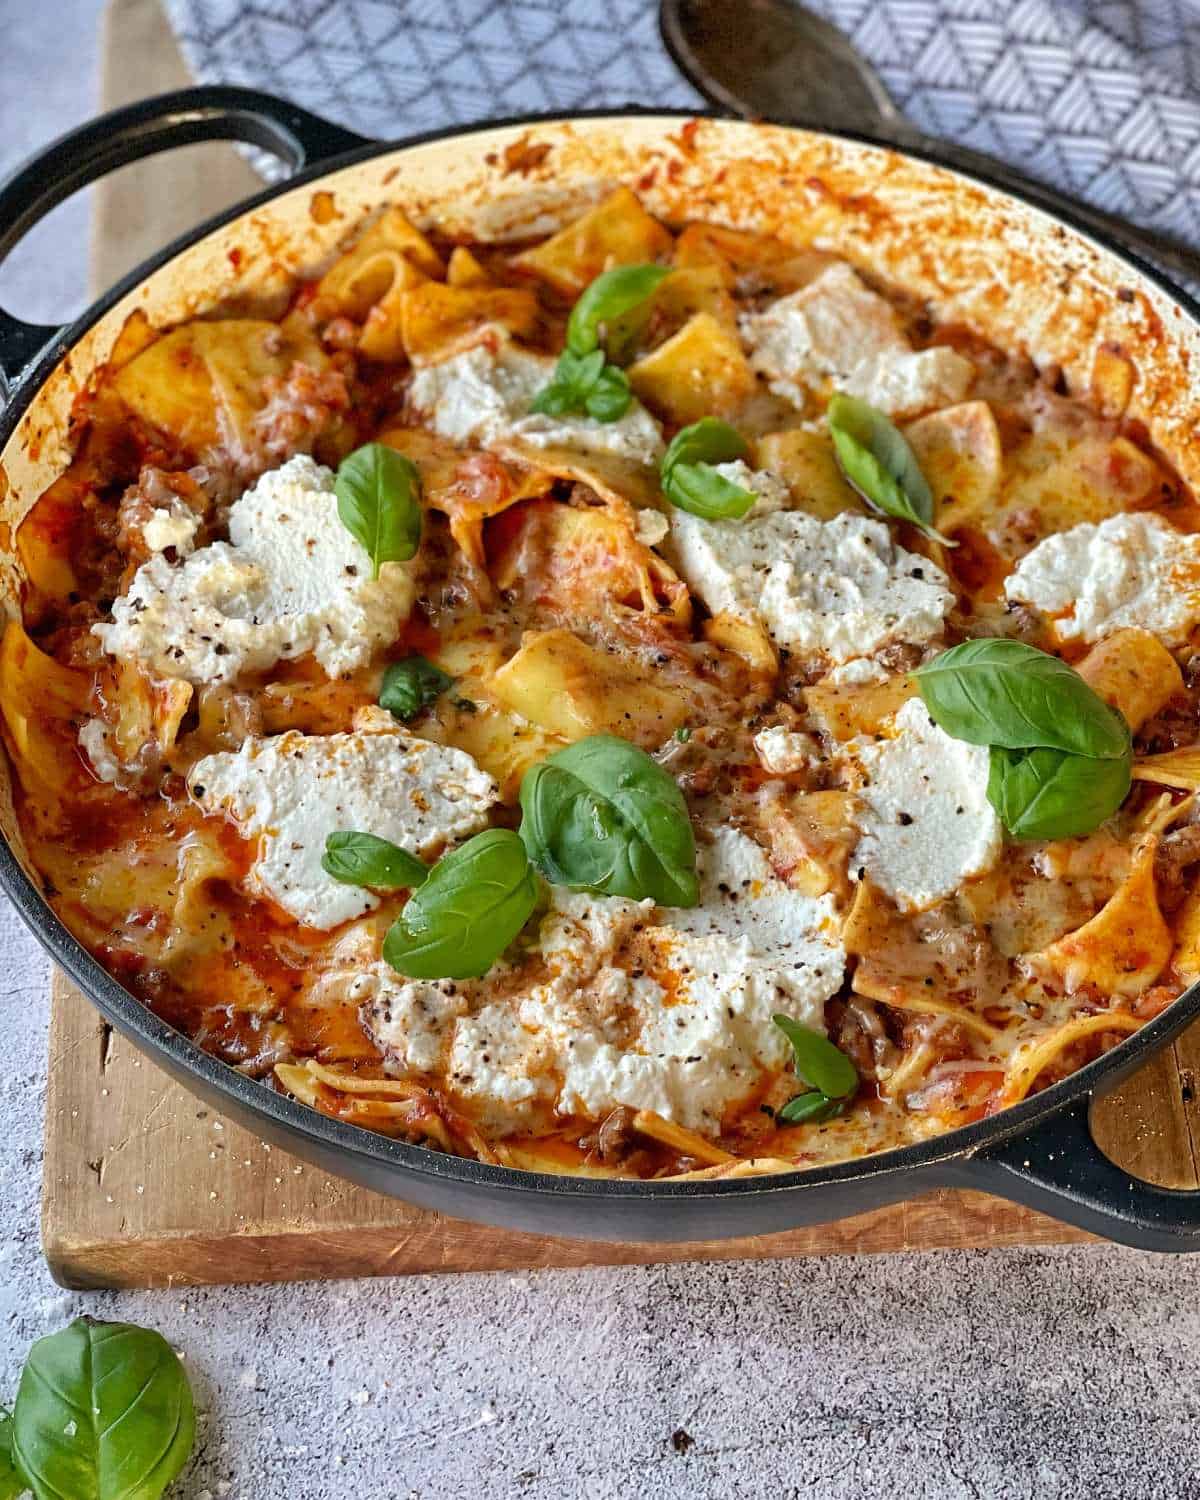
(836, 329)
(292, 790)
(483, 394)
(841, 587)
(662, 1010)
(926, 824)
(782, 751)
(1131, 570)
(290, 580)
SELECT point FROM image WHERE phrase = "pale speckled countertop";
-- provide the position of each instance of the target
(995, 1375)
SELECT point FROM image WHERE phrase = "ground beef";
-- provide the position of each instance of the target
(157, 489)
(1177, 853)
(301, 409)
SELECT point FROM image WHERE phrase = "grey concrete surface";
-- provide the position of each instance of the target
(987, 1376)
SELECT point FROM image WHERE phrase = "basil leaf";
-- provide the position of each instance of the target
(603, 816)
(378, 494)
(1048, 794)
(411, 685)
(473, 903)
(815, 1107)
(611, 296)
(610, 395)
(585, 385)
(689, 479)
(879, 464)
(363, 859)
(817, 1061)
(709, 441)
(1003, 692)
(11, 1483)
(104, 1412)
(700, 490)
(574, 376)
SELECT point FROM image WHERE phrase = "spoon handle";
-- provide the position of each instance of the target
(1164, 250)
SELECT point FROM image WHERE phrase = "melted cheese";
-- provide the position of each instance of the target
(291, 791)
(290, 580)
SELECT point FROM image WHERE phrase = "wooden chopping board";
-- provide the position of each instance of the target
(145, 1186)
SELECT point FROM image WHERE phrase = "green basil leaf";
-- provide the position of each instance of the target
(378, 502)
(473, 903)
(611, 296)
(689, 478)
(363, 859)
(411, 685)
(879, 464)
(709, 441)
(700, 490)
(1003, 692)
(814, 1107)
(11, 1483)
(609, 398)
(104, 1412)
(1049, 794)
(574, 376)
(817, 1061)
(603, 816)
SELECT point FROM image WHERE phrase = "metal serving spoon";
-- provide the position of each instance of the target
(772, 59)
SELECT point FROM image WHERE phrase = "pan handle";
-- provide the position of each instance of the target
(1057, 1168)
(125, 135)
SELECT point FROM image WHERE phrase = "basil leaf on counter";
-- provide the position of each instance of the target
(473, 903)
(611, 296)
(11, 1483)
(1049, 794)
(411, 685)
(689, 478)
(879, 464)
(815, 1107)
(364, 859)
(378, 502)
(603, 816)
(818, 1062)
(1003, 692)
(103, 1410)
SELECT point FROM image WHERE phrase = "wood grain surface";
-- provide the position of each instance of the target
(146, 1186)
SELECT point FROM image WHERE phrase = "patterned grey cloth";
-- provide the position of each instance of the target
(1092, 95)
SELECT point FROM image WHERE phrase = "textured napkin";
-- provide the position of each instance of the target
(1091, 95)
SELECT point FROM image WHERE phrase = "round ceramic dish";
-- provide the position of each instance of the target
(1023, 277)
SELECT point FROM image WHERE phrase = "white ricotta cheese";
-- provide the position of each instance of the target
(290, 580)
(174, 526)
(650, 527)
(482, 395)
(858, 672)
(926, 823)
(769, 491)
(96, 741)
(291, 791)
(903, 384)
(837, 330)
(840, 586)
(781, 751)
(1131, 570)
(662, 1010)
